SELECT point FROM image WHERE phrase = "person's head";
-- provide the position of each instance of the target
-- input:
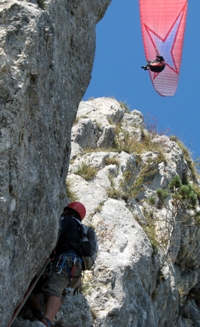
(77, 207)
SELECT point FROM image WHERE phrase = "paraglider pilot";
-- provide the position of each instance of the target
(157, 65)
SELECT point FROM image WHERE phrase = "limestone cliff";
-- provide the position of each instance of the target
(140, 189)
(147, 272)
(46, 56)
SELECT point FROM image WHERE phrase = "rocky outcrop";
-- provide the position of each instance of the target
(46, 56)
(133, 284)
(147, 271)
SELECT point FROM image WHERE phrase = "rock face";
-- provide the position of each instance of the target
(46, 56)
(140, 279)
(147, 272)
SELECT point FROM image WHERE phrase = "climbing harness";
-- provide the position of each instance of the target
(67, 261)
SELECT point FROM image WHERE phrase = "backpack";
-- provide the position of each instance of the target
(88, 246)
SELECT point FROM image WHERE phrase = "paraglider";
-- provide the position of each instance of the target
(157, 65)
(163, 26)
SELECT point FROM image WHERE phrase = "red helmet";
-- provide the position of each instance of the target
(78, 207)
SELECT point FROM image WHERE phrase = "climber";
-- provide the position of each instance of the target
(157, 65)
(66, 269)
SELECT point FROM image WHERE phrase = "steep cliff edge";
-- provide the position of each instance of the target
(142, 193)
(46, 56)
(141, 189)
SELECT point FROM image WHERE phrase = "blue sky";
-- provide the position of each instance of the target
(117, 72)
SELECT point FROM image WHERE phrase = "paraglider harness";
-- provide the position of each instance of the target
(157, 65)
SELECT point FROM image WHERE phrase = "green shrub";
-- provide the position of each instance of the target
(111, 161)
(128, 143)
(86, 171)
(187, 156)
(133, 185)
(184, 199)
(115, 193)
(71, 194)
(125, 106)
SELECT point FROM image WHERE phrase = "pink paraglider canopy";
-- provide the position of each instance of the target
(163, 26)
